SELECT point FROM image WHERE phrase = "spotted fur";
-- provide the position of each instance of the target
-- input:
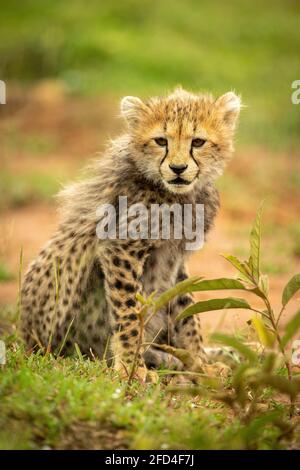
(82, 289)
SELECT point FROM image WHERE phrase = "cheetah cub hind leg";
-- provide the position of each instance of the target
(223, 354)
(156, 359)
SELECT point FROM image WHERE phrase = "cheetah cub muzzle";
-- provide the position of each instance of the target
(83, 289)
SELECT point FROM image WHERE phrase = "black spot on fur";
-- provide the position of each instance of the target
(127, 265)
(132, 317)
(140, 254)
(130, 303)
(181, 276)
(134, 274)
(116, 261)
(116, 302)
(184, 301)
(118, 284)
(129, 288)
(68, 317)
(134, 333)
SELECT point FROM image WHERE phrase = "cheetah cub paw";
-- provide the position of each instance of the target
(140, 374)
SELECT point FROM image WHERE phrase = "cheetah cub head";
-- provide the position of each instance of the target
(183, 139)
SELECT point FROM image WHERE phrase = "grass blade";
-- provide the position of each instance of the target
(255, 237)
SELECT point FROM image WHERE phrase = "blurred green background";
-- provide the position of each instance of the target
(148, 46)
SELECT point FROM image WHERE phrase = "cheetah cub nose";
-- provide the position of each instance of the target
(178, 169)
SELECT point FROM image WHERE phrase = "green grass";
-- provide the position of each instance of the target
(31, 143)
(69, 403)
(28, 187)
(5, 274)
(147, 47)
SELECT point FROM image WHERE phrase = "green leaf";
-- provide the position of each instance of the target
(265, 336)
(181, 288)
(255, 236)
(282, 384)
(264, 284)
(291, 329)
(218, 284)
(213, 304)
(233, 342)
(241, 266)
(290, 289)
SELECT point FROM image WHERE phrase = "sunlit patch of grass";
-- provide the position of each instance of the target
(58, 403)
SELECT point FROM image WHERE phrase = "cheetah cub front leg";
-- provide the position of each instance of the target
(189, 335)
(122, 267)
(188, 330)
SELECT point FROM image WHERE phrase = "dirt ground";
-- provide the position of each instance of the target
(76, 129)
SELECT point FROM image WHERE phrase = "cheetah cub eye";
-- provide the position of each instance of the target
(198, 142)
(161, 141)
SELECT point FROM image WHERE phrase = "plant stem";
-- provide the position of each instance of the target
(274, 324)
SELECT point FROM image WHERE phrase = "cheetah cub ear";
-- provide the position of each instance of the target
(132, 108)
(229, 105)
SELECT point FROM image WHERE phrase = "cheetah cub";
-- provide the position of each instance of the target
(82, 288)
